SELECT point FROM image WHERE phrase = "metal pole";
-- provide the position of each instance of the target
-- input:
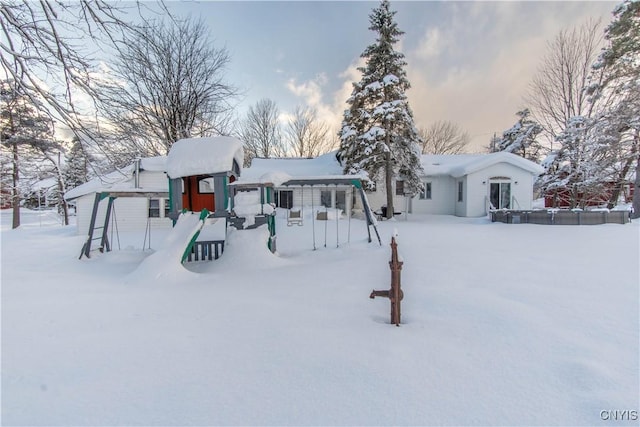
(326, 220)
(337, 218)
(313, 220)
(349, 216)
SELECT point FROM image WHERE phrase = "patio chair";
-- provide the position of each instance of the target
(294, 217)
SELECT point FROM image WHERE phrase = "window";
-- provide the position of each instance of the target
(325, 198)
(285, 199)
(460, 188)
(425, 194)
(154, 208)
(205, 186)
(399, 188)
(341, 200)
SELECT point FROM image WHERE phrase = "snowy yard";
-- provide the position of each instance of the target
(502, 325)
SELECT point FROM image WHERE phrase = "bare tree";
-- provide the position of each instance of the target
(168, 82)
(308, 136)
(557, 93)
(261, 131)
(444, 137)
(52, 40)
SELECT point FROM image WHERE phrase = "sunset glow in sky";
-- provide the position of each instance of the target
(468, 62)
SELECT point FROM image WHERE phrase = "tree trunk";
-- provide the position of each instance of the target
(388, 180)
(15, 195)
(620, 183)
(62, 203)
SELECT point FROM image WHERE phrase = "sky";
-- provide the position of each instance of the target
(468, 62)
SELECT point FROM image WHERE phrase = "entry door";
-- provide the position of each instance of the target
(500, 195)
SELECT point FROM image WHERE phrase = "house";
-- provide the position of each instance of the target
(298, 182)
(565, 198)
(466, 185)
(140, 192)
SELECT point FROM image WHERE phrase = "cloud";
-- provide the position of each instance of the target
(431, 45)
(329, 104)
(474, 69)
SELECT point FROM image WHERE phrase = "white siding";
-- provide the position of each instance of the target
(478, 193)
(152, 179)
(378, 198)
(443, 197)
(308, 196)
(130, 214)
(461, 206)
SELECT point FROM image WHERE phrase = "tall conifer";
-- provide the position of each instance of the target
(378, 134)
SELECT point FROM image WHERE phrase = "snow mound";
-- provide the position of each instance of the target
(244, 249)
(167, 260)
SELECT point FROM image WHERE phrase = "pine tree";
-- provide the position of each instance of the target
(577, 167)
(378, 134)
(616, 91)
(76, 169)
(22, 125)
(520, 139)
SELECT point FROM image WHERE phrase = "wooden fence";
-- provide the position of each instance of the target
(560, 217)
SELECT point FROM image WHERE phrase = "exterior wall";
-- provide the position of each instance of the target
(475, 192)
(131, 213)
(462, 207)
(308, 196)
(443, 197)
(478, 184)
(378, 198)
(153, 179)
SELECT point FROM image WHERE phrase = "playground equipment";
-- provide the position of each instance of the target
(394, 294)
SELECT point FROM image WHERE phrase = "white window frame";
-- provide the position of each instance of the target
(163, 207)
(427, 191)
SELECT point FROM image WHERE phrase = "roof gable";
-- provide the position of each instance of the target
(458, 165)
(120, 179)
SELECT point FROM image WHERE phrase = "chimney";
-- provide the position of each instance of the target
(136, 173)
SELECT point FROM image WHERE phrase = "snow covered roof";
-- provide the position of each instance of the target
(154, 164)
(458, 165)
(280, 170)
(198, 156)
(121, 180)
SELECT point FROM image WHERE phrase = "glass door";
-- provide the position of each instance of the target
(500, 195)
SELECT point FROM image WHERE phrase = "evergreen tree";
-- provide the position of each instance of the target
(23, 125)
(378, 134)
(577, 167)
(520, 139)
(76, 169)
(616, 91)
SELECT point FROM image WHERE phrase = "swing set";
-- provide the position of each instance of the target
(99, 231)
(323, 215)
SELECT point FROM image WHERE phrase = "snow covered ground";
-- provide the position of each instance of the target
(502, 325)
